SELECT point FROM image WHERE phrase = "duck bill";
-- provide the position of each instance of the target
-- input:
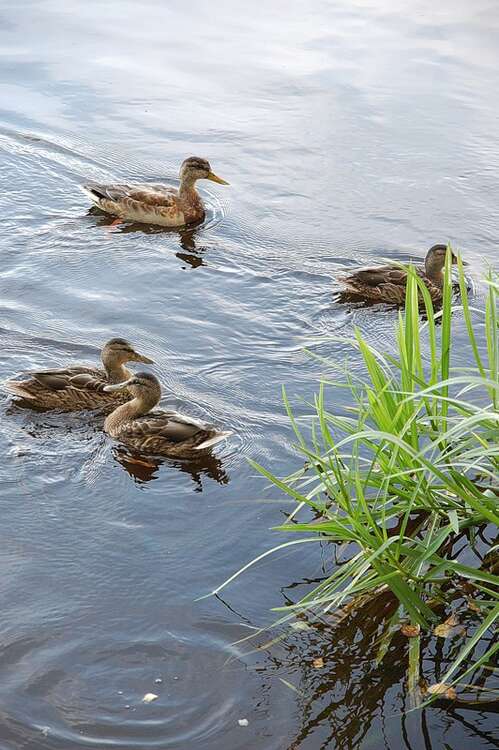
(142, 358)
(117, 386)
(215, 178)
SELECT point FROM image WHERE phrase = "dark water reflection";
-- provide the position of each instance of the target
(349, 131)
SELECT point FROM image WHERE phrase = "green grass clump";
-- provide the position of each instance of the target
(407, 479)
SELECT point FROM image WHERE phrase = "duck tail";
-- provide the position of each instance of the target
(213, 440)
(348, 282)
(93, 191)
(17, 389)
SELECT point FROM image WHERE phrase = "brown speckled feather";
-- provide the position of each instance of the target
(156, 204)
(69, 389)
(385, 284)
(165, 432)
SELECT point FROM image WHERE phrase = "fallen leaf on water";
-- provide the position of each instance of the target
(410, 631)
(149, 697)
(467, 587)
(446, 628)
(441, 688)
(318, 663)
(473, 605)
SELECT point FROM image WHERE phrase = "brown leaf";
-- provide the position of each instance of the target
(447, 628)
(318, 663)
(423, 686)
(410, 631)
(473, 606)
(468, 587)
(439, 688)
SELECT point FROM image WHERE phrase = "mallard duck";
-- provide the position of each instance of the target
(157, 204)
(80, 387)
(166, 433)
(388, 283)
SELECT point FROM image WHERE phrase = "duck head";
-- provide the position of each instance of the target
(143, 386)
(435, 261)
(195, 168)
(116, 352)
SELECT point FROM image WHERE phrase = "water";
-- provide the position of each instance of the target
(349, 131)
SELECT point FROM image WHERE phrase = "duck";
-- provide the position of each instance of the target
(80, 387)
(161, 432)
(388, 283)
(157, 204)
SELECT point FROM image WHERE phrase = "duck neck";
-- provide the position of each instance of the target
(435, 273)
(187, 189)
(126, 413)
(116, 371)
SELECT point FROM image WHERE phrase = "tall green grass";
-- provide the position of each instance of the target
(407, 474)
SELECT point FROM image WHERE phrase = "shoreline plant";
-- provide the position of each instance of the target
(407, 483)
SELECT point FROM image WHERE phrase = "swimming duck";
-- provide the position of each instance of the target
(157, 204)
(165, 433)
(388, 283)
(80, 387)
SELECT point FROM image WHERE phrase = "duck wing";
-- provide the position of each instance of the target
(379, 275)
(147, 194)
(71, 378)
(84, 378)
(168, 425)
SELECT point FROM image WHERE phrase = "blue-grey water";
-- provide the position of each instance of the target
(350, 130)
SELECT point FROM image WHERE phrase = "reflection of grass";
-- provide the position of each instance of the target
(408, 484)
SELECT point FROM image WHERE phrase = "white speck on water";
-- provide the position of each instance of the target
(16, 451)
(149, 697)
(243, 722)
(158, 680)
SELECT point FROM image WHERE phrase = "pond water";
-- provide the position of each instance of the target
(349, 130)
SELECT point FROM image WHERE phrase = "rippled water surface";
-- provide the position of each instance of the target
(349, 130)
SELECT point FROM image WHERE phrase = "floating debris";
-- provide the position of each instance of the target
(410, 631)
(149, 697)
(441, 688)
(318, 663)
(243, 722)
(449, 627)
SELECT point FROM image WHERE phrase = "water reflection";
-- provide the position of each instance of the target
(193, 254)
(347, 694)
(143, 468)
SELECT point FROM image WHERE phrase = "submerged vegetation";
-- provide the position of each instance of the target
(405, 486)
